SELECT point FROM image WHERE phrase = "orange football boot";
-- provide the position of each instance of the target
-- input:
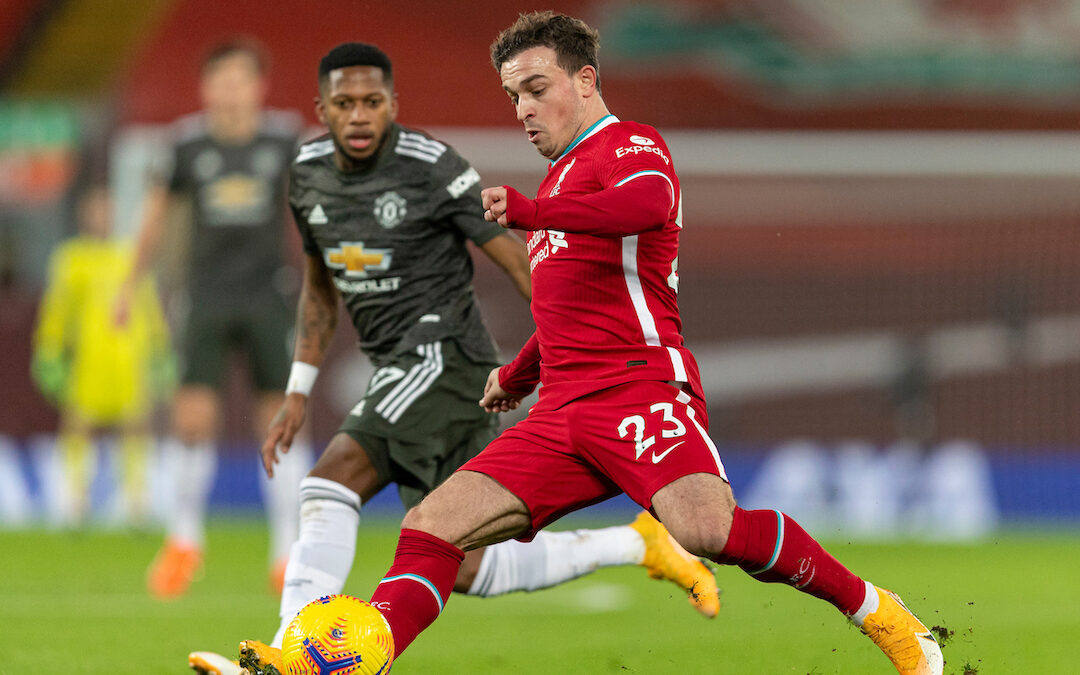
(666, 559)
(904, 639)
(258, 658)
(173, 569)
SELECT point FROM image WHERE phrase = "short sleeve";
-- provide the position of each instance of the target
(634, 153)
(168, 169)
(171, 166)
(307, 238)
(456, 190)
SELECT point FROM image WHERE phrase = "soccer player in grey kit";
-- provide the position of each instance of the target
(230, 161)
(385, 212)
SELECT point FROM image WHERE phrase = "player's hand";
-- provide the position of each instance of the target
(495, 203)
(282, 431)
(50, 373)
(496, 399)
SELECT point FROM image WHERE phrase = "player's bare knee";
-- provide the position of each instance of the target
(704, 535)
(345, 461)
(190, 429)
(425, 520)
(697, 510)
(195, 415)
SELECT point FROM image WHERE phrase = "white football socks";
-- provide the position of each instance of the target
(281, 494)
(191, 469)
(553, 558)
(321, 558)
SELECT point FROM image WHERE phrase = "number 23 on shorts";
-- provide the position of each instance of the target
(634, 427)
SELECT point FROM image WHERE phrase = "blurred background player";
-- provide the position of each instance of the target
(385, 212)
(101, 376)
(231, 161)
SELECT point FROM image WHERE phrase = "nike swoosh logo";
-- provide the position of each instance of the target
(656, 458)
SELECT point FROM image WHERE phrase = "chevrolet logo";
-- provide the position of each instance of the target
(356, 260)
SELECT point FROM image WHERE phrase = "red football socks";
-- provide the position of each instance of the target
(773, 548)
(414, 591)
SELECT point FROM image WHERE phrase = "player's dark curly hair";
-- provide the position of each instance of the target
(247, 46)
(350, 54)
(574, 41)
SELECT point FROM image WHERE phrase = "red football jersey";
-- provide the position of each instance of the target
(603, 240)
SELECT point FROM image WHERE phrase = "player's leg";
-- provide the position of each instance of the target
(651, 438)
(281, 494)
(553, 558)
(522, 481)
(134, 444)
(76, 449)
(701, 513)
(189, 453)
(354, 468)
(267, 341)
(321, 557)
(330, 498)
(549, 559)
(190, 462)
(469, 510)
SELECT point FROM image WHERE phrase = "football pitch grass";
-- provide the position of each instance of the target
(75, 603)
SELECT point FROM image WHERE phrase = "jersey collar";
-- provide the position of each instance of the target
(604, 121)
(390, 142)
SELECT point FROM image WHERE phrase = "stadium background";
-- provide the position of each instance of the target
(879, 263)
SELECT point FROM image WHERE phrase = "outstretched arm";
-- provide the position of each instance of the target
(631, 207)
(151, 226)
(316, 320)
(509, 253)
(147, 240)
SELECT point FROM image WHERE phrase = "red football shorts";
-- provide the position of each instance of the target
(634, 438)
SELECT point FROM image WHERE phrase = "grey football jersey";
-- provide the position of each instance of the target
(394, 238)
(238, 204)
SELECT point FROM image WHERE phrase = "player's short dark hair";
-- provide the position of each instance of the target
(350, 54)
(574, 41)
(238, 45)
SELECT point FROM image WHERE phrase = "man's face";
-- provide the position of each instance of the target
(548, 101)
(357, 106)
(233, 85)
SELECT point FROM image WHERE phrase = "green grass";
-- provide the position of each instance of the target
(74, 603)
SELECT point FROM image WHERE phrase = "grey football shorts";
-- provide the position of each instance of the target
(419, 419)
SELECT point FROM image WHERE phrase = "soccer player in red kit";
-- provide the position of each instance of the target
(621, 407)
